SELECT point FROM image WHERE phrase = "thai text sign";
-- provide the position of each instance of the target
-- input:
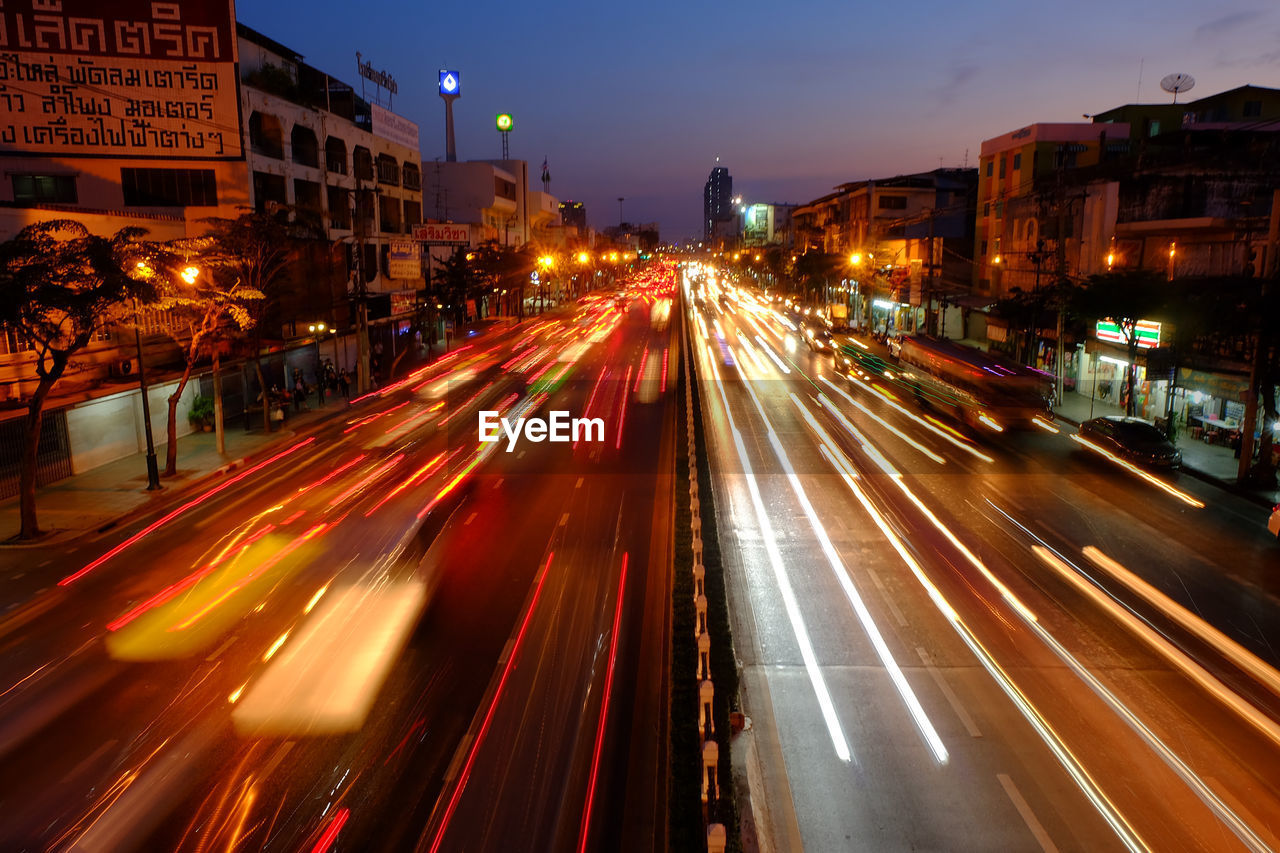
(119, 77)
(443, 233)
(404, 259)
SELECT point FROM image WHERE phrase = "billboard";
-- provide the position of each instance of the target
(396, 128)
(121, 78)
(443, 233)
(757, 224)
(450, 82)
(404, 259)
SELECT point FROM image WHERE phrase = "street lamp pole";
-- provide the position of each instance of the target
(153, 469)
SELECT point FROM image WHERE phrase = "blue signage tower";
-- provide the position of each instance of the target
(450, 90)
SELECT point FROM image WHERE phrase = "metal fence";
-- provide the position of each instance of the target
(53, 459)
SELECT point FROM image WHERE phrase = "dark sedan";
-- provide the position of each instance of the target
(1133, 440)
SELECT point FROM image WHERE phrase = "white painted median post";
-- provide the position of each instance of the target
(704, 657)
(716, 838)
(699, 581)
(701, 604)
(706, 694)
(710, 759)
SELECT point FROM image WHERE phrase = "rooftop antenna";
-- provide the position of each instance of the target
(1141, 61)
(1176, 83)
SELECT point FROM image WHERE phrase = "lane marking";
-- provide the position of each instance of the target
(470, 518)
(950, 694)
(578, 485)
(1028, 816)
(564, 519)
(888, 599)
(499, 482)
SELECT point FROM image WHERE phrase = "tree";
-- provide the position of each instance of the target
(59, 285)
(814, 271)
(254, 250)
(1124, 298)
(203, 312)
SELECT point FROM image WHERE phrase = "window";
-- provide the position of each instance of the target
(339, 208)
(989, 168)
(306, 198)
(1017, 161)
(364, 209)
(1153, 129)
(169, 187)
(268, 189)
(388, 170)
(1252, 109)
(52, 189)
(892, 202)
(306, 148)
(362, 163)
(504, 189)
(266, 136)
(389, 214)
(999, 209)
(412, 178)
(412, 215)
(15, 341)
(983, 248)
(986, 208)
(1003, 161)
(335, 155)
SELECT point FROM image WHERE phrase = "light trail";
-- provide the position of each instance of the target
(911, 415)
(841, 573)
(1186, 498)
(474, 750)
(790, 604)
(604, 708)
(156, 525)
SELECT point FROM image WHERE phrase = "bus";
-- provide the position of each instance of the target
(981, 390)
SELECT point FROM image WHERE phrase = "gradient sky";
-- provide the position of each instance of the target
(638, 99)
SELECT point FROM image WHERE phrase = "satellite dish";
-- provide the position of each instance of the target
(1176, 83)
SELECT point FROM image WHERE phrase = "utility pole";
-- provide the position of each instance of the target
(362, 300)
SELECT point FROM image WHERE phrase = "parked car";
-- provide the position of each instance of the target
(1133, 440)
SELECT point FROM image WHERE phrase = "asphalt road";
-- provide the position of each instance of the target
(385, 635)
(943, 641)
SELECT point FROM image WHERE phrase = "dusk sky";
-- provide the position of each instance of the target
(638, 99)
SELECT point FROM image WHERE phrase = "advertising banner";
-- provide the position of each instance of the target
(123, 78)
(439, 234)
(404, 259)
(399, 129)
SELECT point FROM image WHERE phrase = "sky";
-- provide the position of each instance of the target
(638, 99)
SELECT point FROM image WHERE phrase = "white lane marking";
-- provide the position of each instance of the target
(470, 518)
(1028, 816)
(950, 694)
(564, 519)
(888, 599)
(578, 485)
(499, 482)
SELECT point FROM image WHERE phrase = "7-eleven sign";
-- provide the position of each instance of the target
(1146, 332)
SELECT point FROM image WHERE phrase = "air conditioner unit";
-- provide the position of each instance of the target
(122, 368)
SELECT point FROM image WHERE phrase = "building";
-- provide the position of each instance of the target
(767, 224)
(349, 168)
(1239, 107)
(1020, 179)
(480, 193)
(573, 214)
(717, 203)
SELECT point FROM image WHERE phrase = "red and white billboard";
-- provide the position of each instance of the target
(443, 233)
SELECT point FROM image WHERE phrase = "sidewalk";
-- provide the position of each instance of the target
(1212, 463)
(98, 497)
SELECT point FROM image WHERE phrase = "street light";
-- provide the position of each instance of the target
(153, 469)
(317, 329)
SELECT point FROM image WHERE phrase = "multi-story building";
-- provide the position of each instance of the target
(349, 168)
(480, 193)
(717, 202)
(1021, 176)
(1239, 107)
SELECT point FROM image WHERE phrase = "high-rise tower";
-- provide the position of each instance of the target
(717, 200)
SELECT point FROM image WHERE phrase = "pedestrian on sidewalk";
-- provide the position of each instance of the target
(300, 390)
(344, 384)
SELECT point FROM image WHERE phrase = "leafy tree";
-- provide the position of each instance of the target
(203, 312)
(59, 285)
(253, 250)
(815, 270)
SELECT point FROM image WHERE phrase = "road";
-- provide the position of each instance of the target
(386, 634)
(946, 639)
